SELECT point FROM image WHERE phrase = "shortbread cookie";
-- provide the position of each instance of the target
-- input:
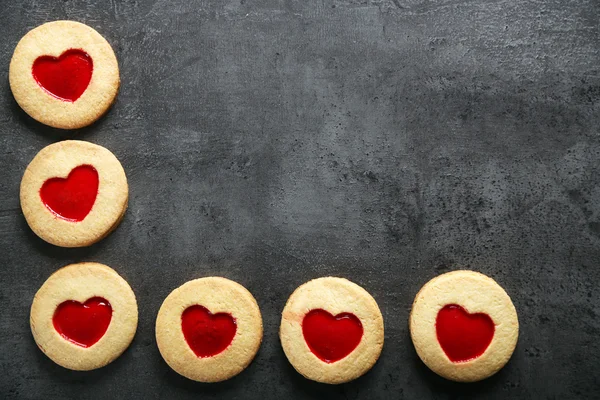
(331, 330)
(464, 326)
(64, 74)
(84, 316)
(209, 329)
(74, 193)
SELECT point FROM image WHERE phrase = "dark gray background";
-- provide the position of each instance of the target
(388, 141)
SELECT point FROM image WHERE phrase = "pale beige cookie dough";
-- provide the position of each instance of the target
(336, 296)
(217, 295)
(53, 39)
(476, 293)
(57, 161)
(80, 282)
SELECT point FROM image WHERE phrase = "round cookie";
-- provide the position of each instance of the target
(209, 329)
(64, 74)
(464, 326)
(84, 316)
(331, 330)
(74, 193)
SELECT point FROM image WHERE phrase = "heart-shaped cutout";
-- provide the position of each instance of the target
(329, 337)
(83, 324)
(65, 77)
(72, 198)
(206, 333)
(463, 336)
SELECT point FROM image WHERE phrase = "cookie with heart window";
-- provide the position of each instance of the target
(209, 329)
(64, 74)
(331, 330)
(84, 316)
(464, 326)
(74, 193)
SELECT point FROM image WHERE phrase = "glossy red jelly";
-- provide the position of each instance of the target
(329, 337)
(463, 336)
(72, 198)
(206, 333)
(65, 77)
(83, 323)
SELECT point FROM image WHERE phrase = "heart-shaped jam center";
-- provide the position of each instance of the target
(329, 337)
(83, 323)
(72, 198)
(461, 335)
(65, 77)
(206, 333)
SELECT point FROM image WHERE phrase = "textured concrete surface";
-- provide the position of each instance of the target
(387, 141)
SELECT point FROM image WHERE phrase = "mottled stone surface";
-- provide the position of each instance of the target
(387, 141)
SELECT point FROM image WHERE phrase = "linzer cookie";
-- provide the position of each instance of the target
(84, 316)
(64, 74)
(209, 329)
(74, 193)
(331, 330)
(464, 326)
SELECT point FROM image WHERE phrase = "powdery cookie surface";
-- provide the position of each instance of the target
(338, 297)
(58, 160)
(217, 295)
(53, 39)
(477, 294)
(79, 283)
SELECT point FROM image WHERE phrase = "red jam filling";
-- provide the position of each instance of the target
(463, 336)
(206, 333)
(329, 337)
(72, 198)
(65, 77)
(83, 323)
